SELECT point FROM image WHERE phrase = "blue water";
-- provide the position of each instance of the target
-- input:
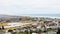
(52, 15)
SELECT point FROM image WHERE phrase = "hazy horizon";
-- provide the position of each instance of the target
(37, 15)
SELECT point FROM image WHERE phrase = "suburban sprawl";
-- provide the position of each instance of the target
(28, 25)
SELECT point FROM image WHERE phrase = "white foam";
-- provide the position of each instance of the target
(42, 16)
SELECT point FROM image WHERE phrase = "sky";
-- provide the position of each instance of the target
(19, 7)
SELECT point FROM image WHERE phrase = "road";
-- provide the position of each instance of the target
(7, 33)
(1, 32)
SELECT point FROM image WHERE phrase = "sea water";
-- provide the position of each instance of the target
(43, 15)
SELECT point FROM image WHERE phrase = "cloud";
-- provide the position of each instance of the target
(17, 7)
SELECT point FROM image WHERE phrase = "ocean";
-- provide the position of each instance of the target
(43, 15)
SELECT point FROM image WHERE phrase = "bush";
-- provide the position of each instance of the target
(14, 32)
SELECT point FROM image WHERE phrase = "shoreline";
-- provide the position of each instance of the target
(41, 16)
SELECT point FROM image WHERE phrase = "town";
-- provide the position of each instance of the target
(29, 25)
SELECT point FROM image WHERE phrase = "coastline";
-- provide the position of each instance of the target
(42, 16)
